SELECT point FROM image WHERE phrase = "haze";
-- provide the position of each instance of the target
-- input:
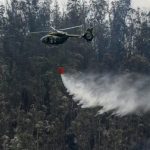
(144, 4)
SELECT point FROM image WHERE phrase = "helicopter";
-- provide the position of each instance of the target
(59, 36)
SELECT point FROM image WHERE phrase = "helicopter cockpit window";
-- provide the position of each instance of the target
(54, 40)
(47, 40)
(51, 41)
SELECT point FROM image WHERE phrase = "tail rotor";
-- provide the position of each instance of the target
(88, 35)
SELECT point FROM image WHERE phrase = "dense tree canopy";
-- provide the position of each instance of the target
(36, 112)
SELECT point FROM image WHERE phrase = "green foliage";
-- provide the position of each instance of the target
(36, 112)
(138, 63)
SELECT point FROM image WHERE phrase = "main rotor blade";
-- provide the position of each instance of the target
(54, 29)
(74, 35)
(71, 28)
(38, 32)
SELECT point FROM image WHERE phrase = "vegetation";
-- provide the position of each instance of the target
(36, 112)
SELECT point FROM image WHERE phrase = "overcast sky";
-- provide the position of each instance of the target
(144, 4)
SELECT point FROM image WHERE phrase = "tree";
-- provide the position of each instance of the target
(56, 16)
(118, 28)
(99, 12)
(73, 12)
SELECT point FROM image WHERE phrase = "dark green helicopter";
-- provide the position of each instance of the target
(60, 37)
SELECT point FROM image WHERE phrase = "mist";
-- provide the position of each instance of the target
(122, 94)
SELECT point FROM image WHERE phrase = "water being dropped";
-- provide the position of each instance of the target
(126, 93)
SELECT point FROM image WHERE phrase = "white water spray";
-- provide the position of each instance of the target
(124, 94)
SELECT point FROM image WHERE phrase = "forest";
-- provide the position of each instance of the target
(36, 111)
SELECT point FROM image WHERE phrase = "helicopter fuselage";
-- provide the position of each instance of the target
(55, 38)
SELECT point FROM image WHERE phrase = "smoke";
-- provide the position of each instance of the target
(124, 94)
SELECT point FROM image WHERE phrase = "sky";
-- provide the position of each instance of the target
(143, 4)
